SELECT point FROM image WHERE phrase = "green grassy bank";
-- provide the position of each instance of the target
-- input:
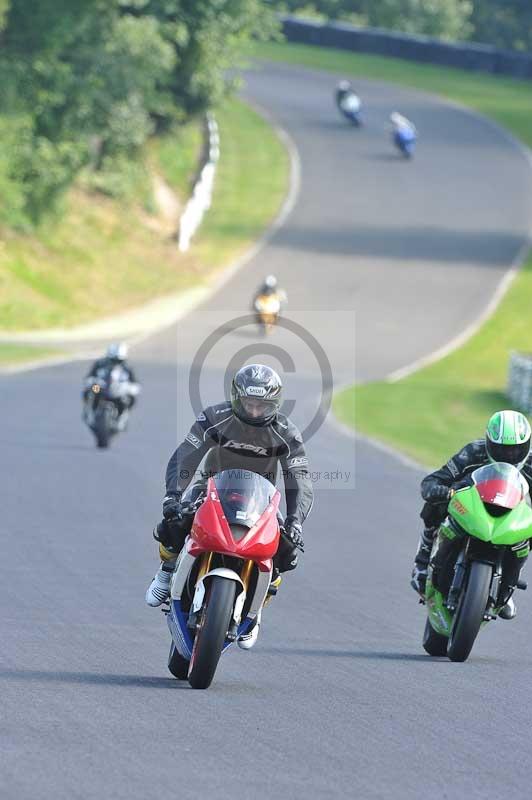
(433, 412)
(13, 354)
(103, 256)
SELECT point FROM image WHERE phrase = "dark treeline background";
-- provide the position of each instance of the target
(84, 83)
(504, 23)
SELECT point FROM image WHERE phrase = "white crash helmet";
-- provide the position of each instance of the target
(117, 351)
(270, 281)
(344, 86)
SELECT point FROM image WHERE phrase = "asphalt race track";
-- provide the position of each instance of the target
(383, 261)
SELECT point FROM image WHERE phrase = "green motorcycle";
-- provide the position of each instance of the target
(465, 581)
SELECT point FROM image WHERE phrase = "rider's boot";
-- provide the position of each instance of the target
(514, 560)
(508, 611)
(247, 640)
(421, 560)
(159, 589)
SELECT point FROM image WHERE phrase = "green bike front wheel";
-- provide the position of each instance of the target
(470, 611)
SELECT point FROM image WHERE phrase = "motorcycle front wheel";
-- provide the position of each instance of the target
(102, 426)
(210, 637)
(470, 612)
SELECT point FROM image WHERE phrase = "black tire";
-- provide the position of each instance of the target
(102, 426)
(177, 665)
(470, 611)
(435, 644)
(211, 635)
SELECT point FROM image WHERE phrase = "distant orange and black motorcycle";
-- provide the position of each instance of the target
(267, 308)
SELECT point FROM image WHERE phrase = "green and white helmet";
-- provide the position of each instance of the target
(508, 437)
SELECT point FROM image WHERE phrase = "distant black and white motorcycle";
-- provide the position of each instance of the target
(348, 103)
(107, 401)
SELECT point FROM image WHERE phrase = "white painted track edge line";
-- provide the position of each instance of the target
(471, 329)
(507, 279)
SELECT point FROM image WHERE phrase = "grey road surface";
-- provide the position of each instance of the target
(383, 261)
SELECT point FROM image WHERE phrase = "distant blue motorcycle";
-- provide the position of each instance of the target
(404, 134)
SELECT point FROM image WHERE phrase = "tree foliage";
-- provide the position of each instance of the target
(446, 19)
(504, 23)
(85, 82)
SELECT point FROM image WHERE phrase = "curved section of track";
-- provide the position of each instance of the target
(383, 261)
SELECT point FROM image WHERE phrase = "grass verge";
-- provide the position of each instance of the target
(251, 184)
(430, 414)
(12, 354)
(103, 256)
(177, 155)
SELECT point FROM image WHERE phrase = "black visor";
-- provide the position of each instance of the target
(255, 411)
(509, 453)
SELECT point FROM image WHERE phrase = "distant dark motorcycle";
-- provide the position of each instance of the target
(350, 107)
(105, 410)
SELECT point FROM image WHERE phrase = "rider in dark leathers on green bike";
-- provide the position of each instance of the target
(508, 439)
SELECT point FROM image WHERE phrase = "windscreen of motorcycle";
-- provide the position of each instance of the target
(499, 484)
(244, 495)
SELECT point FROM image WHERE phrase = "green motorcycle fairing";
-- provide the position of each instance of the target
(468, 510)
(440, 617)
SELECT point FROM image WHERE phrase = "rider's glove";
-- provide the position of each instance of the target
(465, 484)
(294, 534)
(172, 507)
(439, 494)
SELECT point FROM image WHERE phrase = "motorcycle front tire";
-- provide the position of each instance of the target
(210, 637)
(470, 612)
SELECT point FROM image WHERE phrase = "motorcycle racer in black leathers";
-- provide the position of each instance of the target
(116, 356)
(247, 433)
(508, 439)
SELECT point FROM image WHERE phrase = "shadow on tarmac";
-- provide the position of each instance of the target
(371, 655)
(486, 249)
(92, 678)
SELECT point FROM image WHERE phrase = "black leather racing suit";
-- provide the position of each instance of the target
(226, 442)
(456, 470)
(107, 364)
(101, 368)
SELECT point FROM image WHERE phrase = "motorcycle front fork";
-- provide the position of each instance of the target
(457, 583)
